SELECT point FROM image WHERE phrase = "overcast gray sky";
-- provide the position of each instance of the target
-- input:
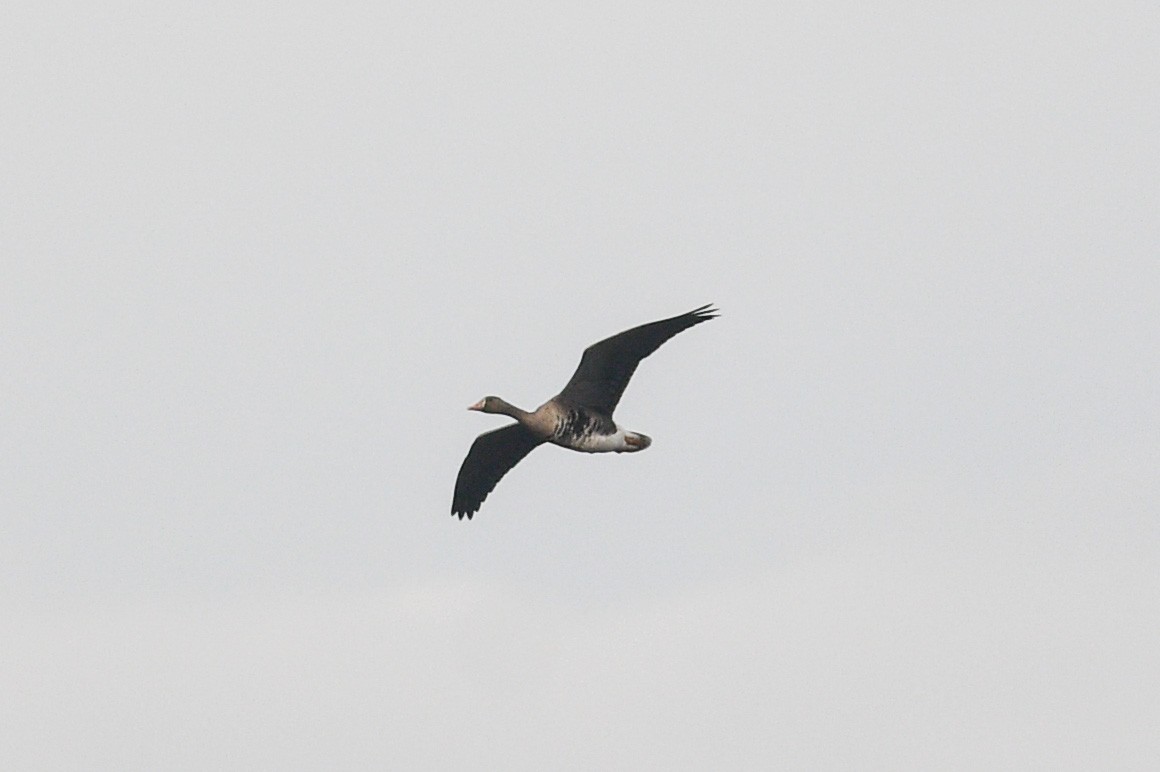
(902, 508)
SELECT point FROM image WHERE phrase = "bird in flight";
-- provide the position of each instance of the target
(578, 418)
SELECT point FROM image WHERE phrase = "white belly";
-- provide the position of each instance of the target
(621, 441)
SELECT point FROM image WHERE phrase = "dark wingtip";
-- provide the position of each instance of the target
(705, 312)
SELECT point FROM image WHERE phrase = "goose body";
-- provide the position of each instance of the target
(578, 418)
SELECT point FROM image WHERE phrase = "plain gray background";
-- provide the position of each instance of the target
(901, 508)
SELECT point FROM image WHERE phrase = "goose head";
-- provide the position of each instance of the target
(489, 405)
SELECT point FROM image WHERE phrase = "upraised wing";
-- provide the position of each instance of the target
(607, 366)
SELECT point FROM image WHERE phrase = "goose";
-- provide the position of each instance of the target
(578, 418)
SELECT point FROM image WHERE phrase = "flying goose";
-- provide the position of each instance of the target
(578, 418)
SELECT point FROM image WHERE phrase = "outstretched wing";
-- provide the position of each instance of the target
(607, 366)
(491, 456)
